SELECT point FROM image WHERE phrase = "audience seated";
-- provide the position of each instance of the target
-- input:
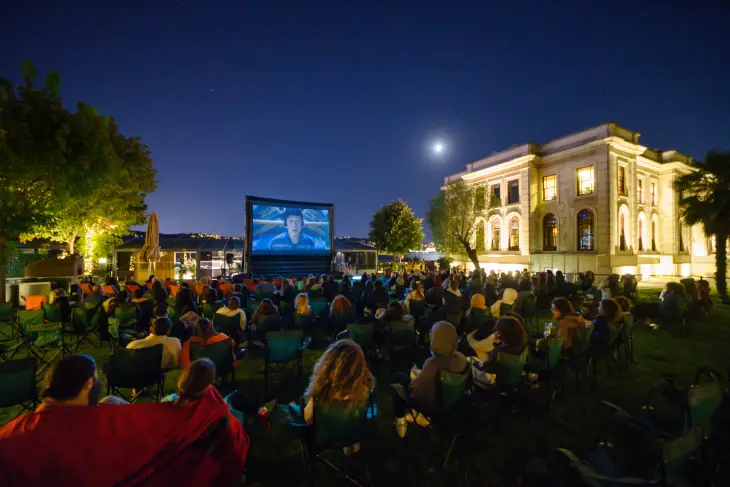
(604, 326)
(704, 301)
(524, 288)
(301, 306)
(508, 297)
(265, 288)
(159, 330)
(140, 444)
(416, 294)
(204, 333)
(567, 321)
(158, 292)
(510, 337)
(96, 297)
(233, 309)
(184, 301)
(423, 390)
(242, 293)
(378, 298)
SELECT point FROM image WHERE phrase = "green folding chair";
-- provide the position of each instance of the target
(52, 312)
(208, 310)
(230, 325)
(334, 427)
(137, 369)
(18, 384)
(363, 335)
(264, 324)
(529, 313)
(282, 349)
(318, 306)
(547, 366)
(302, 322)
(85, 323)
(221, 354)
(44, 340)
(7, 321)
(402, 337)
(126, 315)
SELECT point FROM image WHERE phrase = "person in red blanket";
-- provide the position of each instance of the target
(72, 440)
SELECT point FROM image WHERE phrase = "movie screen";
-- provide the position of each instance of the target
(292, 230)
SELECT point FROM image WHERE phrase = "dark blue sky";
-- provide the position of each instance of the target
(325, 101)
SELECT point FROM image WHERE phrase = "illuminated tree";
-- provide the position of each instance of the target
(706, 202)
(453, 215)
(395, 229)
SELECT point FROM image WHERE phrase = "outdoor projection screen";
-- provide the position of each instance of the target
(279, 227)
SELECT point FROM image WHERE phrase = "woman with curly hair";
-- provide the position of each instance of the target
(340, 377)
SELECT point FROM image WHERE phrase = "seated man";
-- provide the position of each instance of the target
(158, 335)
(96, 296)
(115, 445)
(265, 288)
(234, 309)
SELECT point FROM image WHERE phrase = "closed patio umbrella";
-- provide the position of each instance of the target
(151, 248)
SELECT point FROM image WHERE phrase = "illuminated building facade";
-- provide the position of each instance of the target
(594, 200)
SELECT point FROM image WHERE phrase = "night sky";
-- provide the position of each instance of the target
(324, 101)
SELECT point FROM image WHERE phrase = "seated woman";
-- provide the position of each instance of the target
(341, 312)
(416, 294)
(301, 305)
(158, 293)
(424, 389)
(212, 297)
(266, 308)
(524, 288)
(205, 334)
(287, 293)
(508, 298)
(510, 337)
(671, 305)
(704, 301)
(567, 321)
(477, 312)
(605, 325)
(481, 340)
(340, 379)
(204, 291)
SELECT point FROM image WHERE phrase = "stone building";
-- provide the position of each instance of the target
(593, 200)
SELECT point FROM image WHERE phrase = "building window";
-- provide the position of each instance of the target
(641, 234)
(479, 198)
(681, 238)
(496, 191)
(710, 244)
(586, 180)
(513, 193)
(652, 193)
(622, 181)
(514, 234)
(549, 187)
(640, 190)
(480, 238)
(653, 234)
(622, 232)
(586, 230)
(550, 232)
(495, 243)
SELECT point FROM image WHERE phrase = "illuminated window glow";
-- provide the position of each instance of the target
(586, 180)
(550, 187)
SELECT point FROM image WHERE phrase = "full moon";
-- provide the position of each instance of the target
(438, 147)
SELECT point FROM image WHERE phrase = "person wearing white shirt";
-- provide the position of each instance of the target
(158, 336)
(234, 309)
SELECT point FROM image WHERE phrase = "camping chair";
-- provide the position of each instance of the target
(86, 289)
(417, 308)
(505, 308)
(318, 306)
(608, 352)
(626, 338)
(342, 319)
(510, 375)
(18, 384)
(52, 312)
(529, 312)
(581, 356)
(35, 302)
(286, 311)
(208, 310)
(454, 319)
(230, 325)
(221, 354)
(109, 291)
(174, 288)
(137, 369)
(333, 427)
(226, 289)
(41, 338)
(281, 348)
(85, 322)
(145, 313)
(453, 389)
(302, 322)
(126, 314)
(264, 324)
(679, 462)
(477, 319)
(363, 335)
(547, 368)
(7, 320)
(402, 337)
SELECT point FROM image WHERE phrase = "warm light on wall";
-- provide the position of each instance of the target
(685, 269)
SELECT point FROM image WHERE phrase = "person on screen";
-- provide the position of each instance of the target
(293, 238)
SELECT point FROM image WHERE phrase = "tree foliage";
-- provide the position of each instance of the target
(706, 201)
(395, 229)
(452, 216)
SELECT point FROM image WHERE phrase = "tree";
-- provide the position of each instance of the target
(114, 204)
(705, 201)
(395, 229)
(452, 216)
(444, 262)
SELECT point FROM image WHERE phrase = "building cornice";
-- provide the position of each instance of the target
(624, 145)
(513, 164)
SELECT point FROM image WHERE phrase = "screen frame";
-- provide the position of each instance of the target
(255, 200)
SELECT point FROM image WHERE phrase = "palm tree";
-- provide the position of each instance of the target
(706, 201)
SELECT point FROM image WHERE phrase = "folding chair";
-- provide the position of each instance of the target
(230, 325)
(333, 427)
(109, 291)
(547, 368)
(18, 384)
(126, 314)
(137, 369)
(41, 338)
(282, 348)
(221, 354)
(7, 321)
(86, 288)
(35, 302)
(85, 322)
(363, 335)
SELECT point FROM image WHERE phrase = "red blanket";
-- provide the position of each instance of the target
(111, 445)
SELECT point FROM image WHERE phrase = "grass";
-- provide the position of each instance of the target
(498, 445)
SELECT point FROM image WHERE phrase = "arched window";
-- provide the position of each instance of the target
(641, 234)
(621, 232)
(495, 244)
(480, 246)
(654, 225)
(586, 230)
(514, 234)
(550, 232)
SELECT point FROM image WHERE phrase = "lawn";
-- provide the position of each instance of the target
(498, 445)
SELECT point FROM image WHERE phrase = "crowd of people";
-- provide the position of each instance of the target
(467, 320)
